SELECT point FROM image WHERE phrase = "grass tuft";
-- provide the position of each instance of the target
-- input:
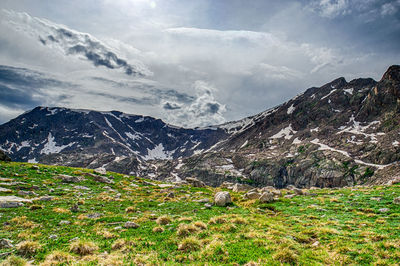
(83, 247)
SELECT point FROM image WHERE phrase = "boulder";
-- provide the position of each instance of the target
(70, 179)
(298, 191)
(100, 171)
(12, 201)
(267, 189)
(396, 200)
(252, 195)
(241, 187)
(5, 243)
(102, 179)
(131, 225)
(228, 185)
(222, 198)
(266, 197)
(195, 182)
(5, 190)
(4, 157)
(26, 193)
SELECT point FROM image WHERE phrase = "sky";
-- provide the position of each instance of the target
(189, 62)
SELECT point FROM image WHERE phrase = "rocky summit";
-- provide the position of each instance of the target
(340, 134)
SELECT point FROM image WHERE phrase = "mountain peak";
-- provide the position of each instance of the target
(393, 73)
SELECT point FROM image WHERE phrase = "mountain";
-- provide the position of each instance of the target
(340, 134)
(92, 139)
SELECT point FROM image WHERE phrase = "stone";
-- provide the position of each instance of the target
(289, 196)
(383, 210)
(5, 190)
(252, 195)
(74, 208)
(171, 195)
(102, 179)
(131, 225)
(241, 187)
(5, 243)
(267, 189)
(64, 222)
(205, 200)
(222, 198)
(4, 157)
(70, 179)
(165, 185)
(315, 244)
(26, 193)
(227, 185)
(208, 205)
(12, 201)
(396, 200)
(11, 204)
(94, 215)
(82, 187)
(46, 198)
(266, 197)
(298, 191)
(195, 182)
(100, 171)
(53, 237)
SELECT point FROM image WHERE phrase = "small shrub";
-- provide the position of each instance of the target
(163, 220)
(285, 255)
(28, 248)
(185, 219)
(158, 229)
(120, 244)
(186, 229)
(83, 247)
(200, 225)
(61, 210)
(189, 244)
(57, 257)
(130, 209)
(217, 220)
(14, 261)
(239, 220)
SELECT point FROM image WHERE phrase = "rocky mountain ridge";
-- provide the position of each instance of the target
(340, 134)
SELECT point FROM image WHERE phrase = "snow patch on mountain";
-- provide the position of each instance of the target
(290, 109)
(158, 152)
(286, 132)
(51, 146)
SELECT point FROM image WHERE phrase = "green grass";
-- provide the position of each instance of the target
(328, 226)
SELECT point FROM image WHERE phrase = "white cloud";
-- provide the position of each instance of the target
(331, 8)
(203, 111)
(388, 9)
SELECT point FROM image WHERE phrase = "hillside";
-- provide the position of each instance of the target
(73, 215)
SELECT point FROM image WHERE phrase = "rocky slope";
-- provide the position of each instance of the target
(340, 134)
(92, 139)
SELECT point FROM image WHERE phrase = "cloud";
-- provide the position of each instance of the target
(203, 111)
(333, 8)
(390, 8)
(254, 54)
(59, 37)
